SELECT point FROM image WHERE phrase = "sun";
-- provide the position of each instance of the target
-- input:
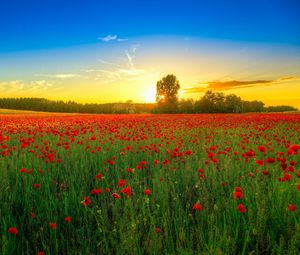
(150, 95)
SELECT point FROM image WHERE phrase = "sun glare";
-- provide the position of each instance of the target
(150, 95)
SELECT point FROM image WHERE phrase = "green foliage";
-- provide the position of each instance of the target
(280, 108)
(44, 105)
(167, 94)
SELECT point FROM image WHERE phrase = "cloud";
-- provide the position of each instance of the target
(109, 38)
(12, 86)
(218, 85)
(113, 72)
(36, 87)
(58, 76)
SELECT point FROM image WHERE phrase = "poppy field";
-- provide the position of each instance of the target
(150, 184)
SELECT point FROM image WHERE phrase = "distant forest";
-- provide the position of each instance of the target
(210, 103)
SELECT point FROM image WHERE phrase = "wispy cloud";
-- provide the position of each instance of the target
(112, 72)
(218, 85)
(59, 76)
(12, 86)
(109, 38)
(36, 87)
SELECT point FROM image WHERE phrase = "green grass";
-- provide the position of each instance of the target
(128, 225)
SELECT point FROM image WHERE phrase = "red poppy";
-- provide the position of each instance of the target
(13, 230)
(36, 185)
(121, 183)
(238, 195)
(147, 192)
(86, 201)
(68, 219)
(292, 207)
(116, 195)
(98, 176)
(238, 189)
(127, 191)
(157, 230)
(197, 207)
(260, 162)
(241, 208)
(96, 191)
(52, 225)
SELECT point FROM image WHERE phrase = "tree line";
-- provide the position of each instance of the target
(210, 103)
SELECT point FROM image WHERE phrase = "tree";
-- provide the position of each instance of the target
(233, 104)
(211, 102)
(253, 106)
(167, 94)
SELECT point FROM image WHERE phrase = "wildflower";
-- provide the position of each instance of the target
(197, 207)
(121, 183)
(86, 201)
(68, 219)
(147, 192)
(36, 185)
(13, 230)
(238, 195)
(52, 225)
(98, 176)
(292, 208)
(127, 191)
(96, 191)
(241, 208)
(116, 195)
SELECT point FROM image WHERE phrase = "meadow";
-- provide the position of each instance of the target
(150, 184)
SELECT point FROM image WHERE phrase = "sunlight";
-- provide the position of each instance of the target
(150, 94)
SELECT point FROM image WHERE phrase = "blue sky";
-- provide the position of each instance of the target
(32, 24)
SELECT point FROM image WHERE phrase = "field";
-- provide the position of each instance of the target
(150, 184)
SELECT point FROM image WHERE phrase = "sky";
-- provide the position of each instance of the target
(114, 51)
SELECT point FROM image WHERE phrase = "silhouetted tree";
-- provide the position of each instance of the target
(280, 108)
(186, 106)
(253, 106)
(167, 94)
(211, 102)
(233, 104)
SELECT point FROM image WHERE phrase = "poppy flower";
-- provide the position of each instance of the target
(238, 189)
(121, 183)
(147, 192)
(86, 201)
(96, 191)
(98, 176)
(197, 207)
(241, 208)
(52, 225)
(13, 230)
(68, 219)
(127, 191)
(116, 195)
(157, 230)
(238, 195)
(292, 208)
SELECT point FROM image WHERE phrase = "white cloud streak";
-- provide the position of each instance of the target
(109, 38)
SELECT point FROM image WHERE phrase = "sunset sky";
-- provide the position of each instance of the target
(111, 51)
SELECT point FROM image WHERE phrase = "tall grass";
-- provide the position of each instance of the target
(164, 222)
